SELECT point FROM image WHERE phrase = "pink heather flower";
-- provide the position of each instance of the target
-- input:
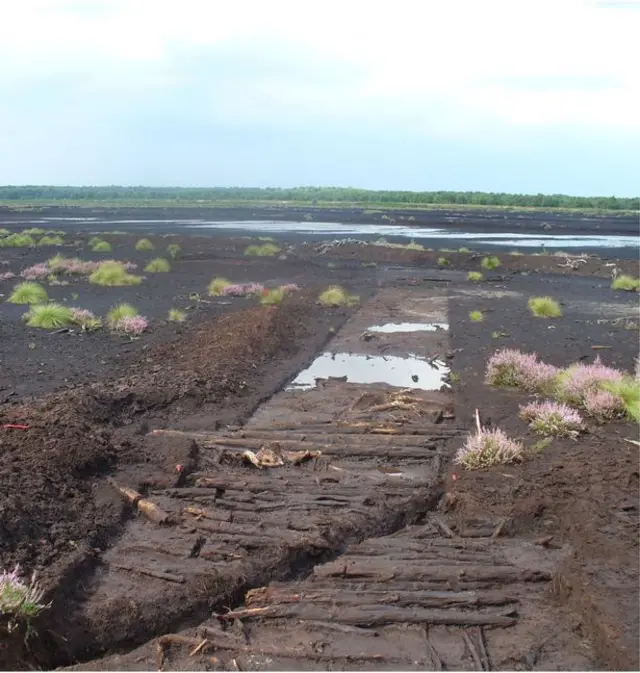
(552, 419)
(20, 599)
(242, 290)
(577, 381)
(603, 405)
(514, 369)
(7, 275)
(290, 287)
(75, 267)
(131, 325)
(488, 448)
(36, 272)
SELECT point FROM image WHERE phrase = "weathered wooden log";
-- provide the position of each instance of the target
(169, 577)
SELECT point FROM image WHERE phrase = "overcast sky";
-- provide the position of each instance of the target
(515, 96)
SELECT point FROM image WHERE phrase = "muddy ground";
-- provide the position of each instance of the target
(376, 553)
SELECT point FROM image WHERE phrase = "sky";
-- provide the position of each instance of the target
(493, 95)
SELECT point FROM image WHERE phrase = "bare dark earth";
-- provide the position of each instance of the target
(352, 546)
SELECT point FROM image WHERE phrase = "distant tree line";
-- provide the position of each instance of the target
(313, 194)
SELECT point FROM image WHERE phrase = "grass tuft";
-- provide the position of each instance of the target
(272, 297)
(544, 307)
(628, 391)
(48, 316)
(490, 263)
(174, 250)
(176, 315)
(335, 296)
(101, 246)
(265, 250)
(144, 245)
(158, 265)
(474, 276)
(28, 293)
(217, 286)
(627, 283)
(113, 274)
(443, 261)
(476, 316)
(18, 241)
(119, 312)
(51, 240)
(85, 319)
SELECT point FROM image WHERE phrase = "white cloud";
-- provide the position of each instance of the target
(445, 67)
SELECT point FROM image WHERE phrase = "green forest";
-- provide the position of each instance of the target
(308, 195)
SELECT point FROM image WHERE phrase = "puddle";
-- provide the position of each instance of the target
(409, 372)
(391, 327)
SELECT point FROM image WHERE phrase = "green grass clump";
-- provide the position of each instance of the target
(28, 293)
(48, 316)
(51, 240)
(490, 263)
(544, 307)
(476, 316)
(174, 250)
(93, 240)
(443, 261)
(272, 297)
(474, 276)
(120, 311)
(18, 241)
(624, 282)
(216, 286)
(113, 274)
(34, 231)
(101, 246)
(158, 265)
(336, 296)
(412, 245)
(144, 245)
(464, 250)
(628, 390)
(176, 315)
(265, 250)
(4, 232)
(516, 253)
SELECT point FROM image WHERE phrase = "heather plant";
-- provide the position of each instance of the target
(119, 312)
(176, 315)
(490, 263)
(101, 246)
(289, 287)
(131, 325)
(173, 249)
(625, 282)
(20, 600)
(217, 286)
(7, 275)
(476, 316)
(510, 368)
(48, 316)
(580, 382)
(552, 419)
(488, 448)
(85, 319)
(242, 290)
(474, 276)
(28, 293)
(36, 272)
(265, 250)
(158, 265)
(71, 266)
(51, 240)
(144, 245)
(113, 274)
(544, 307)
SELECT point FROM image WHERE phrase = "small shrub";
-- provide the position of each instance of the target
(51, 240)
(544, 307)
(36, 272)
(158, 265)
(119, 312)
(265, 250)
(133, 325)
(174, 250)
(85, 319)
(624, 282)
(490, 263)
(476, 316)
(583, 385)
(217, 286)
(552, 419)
(28, 293)
(272, 297)
(242, 290)
(176, 315)
(144, 245)
(474, 276)
(289, 287)
(7, 275)
(627, 390)
(336, 296)
(113, 274)
(48, 316)
(101, 246)
(72, 266)
(488, 448)
(18, 241)
(20, 600)
(511, 368)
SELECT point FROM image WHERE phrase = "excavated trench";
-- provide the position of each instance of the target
(313, 533)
